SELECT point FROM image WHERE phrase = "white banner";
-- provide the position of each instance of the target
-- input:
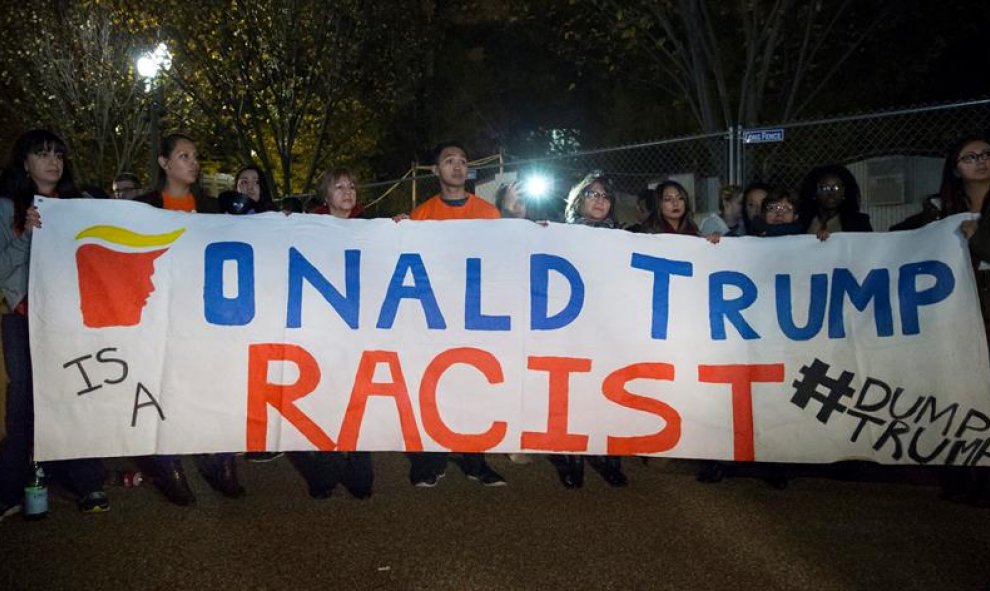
(157, 332)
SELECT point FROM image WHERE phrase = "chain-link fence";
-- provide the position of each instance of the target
(896, 157)
(699, 162)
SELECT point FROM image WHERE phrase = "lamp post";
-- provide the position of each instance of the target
(149, 65)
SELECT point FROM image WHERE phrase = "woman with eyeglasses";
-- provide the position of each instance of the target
(591, 202)
(779, 210)
(966, 188)
(830, 201)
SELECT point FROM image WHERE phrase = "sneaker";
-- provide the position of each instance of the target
(262, 457)
(429, 481)
(487, 477)
(9, 510)
(95, 502)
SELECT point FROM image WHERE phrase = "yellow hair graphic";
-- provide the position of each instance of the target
(125, 237)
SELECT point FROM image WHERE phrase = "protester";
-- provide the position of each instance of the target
(830, 201)
(753, 196)
(729, 220)
(39, 165)
(323, 470)
(291, 205)
(249, 197)
(126, 186)
(966, 189)
(670, 211)
(511, 201)
(511, 204)
(177, 189)
(591, 202)
(779, 209)
(452, 203)
(337, 194)
(252, 181)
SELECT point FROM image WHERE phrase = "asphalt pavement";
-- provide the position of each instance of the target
(886, 530)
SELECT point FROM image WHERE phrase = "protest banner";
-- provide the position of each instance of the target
(158, 332)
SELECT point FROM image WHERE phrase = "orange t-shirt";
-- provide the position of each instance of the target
(182, 203)
(474, 208)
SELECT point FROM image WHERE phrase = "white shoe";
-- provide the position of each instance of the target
(521, 459)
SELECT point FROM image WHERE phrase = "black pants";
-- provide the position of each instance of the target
(82, 476)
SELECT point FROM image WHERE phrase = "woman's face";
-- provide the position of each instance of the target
(249, 183)
(781, 212)
(594, 202)
(973, 163)
(831, 191)
(672, 205)
(181, 165)
(343, 196)
(45, 167)
(754, 203)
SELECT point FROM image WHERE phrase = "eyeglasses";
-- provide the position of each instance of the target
(835, 188)
(595, 195)
(780, 208)
(973, 157)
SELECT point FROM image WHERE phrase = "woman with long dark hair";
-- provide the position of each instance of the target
(253, 182)
(39, 165)
(177, 189)
(966, 189)
(670, 211)
(177, 184)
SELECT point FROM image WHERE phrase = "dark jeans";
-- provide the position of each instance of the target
(323, 470)
(82, 476)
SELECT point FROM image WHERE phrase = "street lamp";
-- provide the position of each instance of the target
(149, 65)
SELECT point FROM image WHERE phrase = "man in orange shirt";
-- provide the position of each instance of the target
(452, 203)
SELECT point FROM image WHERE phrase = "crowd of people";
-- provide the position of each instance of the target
(828, 201)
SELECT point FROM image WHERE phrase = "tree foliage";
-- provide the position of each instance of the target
(68, 66)
(728, 63)
(288, 83)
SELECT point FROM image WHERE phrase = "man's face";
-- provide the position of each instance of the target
(452, 167)
(125, 189)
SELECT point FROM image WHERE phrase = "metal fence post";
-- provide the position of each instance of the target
(415, 168)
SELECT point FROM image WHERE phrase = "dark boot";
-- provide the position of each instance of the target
(612, 472)
(358, 474)
(711, 472)
(224, 478)
(172, 482)
(570, 470)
